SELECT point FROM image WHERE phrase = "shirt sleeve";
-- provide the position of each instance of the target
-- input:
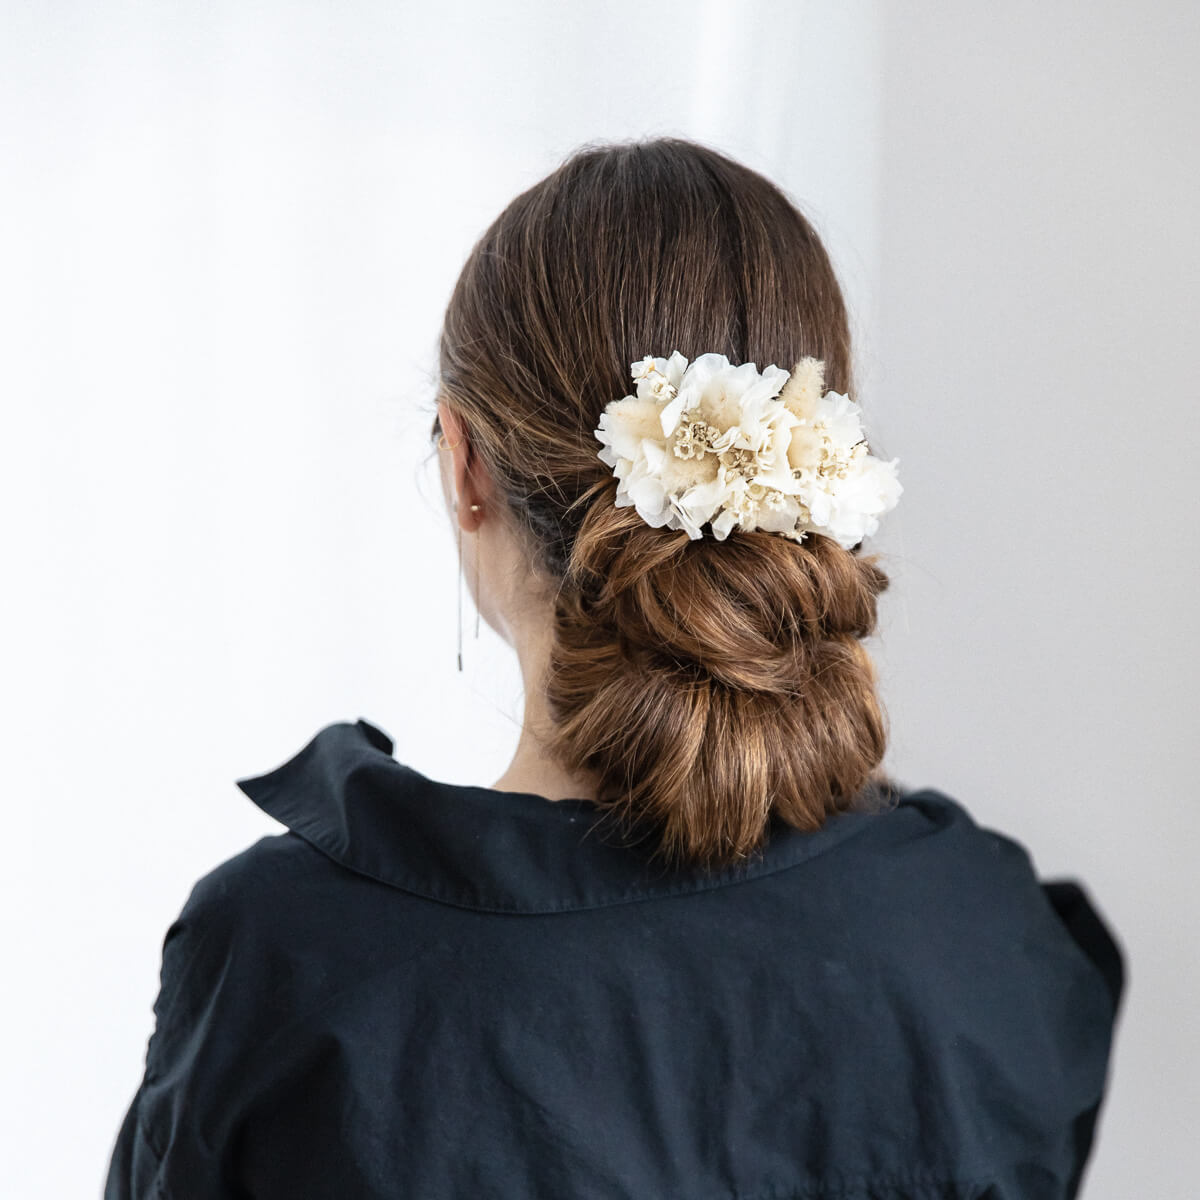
(1098, 942)
(1092, 934)
(134, 1166)
(176, 1138)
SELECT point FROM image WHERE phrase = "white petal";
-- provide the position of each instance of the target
(644, 366)
(776, 520)
(686, 520)
(647, 493)
(671, 414)
(675, 366)
(775, 472)
(820, 504)
(654, 453)
(723, 524)
(707, 497)
(704, 369)
(626, 422)
(765, 387)
(842, 418)
(696, 510)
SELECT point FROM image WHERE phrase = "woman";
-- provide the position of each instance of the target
(693, 942)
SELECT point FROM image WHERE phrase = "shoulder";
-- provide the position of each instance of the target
(250, 892)
(235, 907)
(256, 874)
(927, 836)
(248, 923)
(929, 824)
(283, 920)
(954, 885)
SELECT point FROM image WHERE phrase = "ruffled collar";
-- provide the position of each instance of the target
(484, 849)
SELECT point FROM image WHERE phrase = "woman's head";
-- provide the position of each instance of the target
(705, 685)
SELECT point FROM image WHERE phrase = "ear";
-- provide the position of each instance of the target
(471, 485)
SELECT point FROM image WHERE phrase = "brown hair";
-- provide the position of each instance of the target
(709, 686)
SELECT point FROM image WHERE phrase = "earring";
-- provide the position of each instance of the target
(474, 508)
(445, 445)
(459, 528)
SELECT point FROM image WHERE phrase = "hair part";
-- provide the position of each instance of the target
(709, 686)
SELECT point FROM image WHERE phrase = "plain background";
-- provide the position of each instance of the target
(229, 230)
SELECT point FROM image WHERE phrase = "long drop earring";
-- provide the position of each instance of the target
(460, 575)
(458, 524)
(476, 508)
(477, 594)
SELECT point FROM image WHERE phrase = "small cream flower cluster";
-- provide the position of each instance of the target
(726, 445)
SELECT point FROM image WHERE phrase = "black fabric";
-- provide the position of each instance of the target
(426, 990)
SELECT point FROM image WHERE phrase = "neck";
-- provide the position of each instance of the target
(532, 769)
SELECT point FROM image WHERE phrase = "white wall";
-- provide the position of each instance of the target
(229, 230)
(1036, 377)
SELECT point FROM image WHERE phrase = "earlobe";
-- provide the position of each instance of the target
(470, 517)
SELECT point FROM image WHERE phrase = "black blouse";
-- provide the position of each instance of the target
(423, 990)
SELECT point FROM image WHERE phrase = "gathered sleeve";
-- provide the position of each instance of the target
(179, 1133)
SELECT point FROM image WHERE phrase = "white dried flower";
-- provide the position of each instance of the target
(724, 445)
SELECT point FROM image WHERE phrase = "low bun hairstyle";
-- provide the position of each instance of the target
(710, 687)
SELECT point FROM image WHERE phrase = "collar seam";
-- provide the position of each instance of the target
(629, 897)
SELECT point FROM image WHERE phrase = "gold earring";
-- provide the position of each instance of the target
(476, 508)
(458, 531)
(445, 445)
(458, 526)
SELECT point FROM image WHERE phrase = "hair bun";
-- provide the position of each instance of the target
(717, 682)
(741, 610)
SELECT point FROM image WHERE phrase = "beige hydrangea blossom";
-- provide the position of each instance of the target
(723, 445)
